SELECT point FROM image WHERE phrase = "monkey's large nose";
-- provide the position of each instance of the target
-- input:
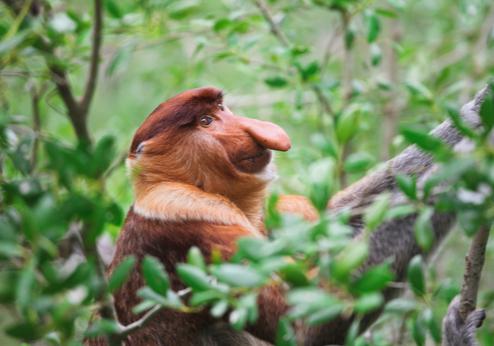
(267, 134)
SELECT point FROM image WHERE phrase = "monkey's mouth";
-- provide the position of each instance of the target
(254, 163)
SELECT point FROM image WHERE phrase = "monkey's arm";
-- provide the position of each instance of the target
(395, 239)
(456, 331)
(410, 161)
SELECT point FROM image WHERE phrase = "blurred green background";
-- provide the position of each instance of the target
(378, 65)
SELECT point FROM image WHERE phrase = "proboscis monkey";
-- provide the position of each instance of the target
(200, 175)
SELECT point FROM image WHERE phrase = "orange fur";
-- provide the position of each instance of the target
(297, 205)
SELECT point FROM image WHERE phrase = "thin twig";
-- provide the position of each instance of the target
(323, 100)
(275, 30)
(107, 308)
(392, 106)
(278, 34)
(148, 316)
(474, 263)
(35, 96)
(346, 79)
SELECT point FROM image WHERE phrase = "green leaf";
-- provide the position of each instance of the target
(26, 284)
(102, 327)
(401, 306)
(285, 335)
(359, 162)
(349, 38)
(420, 91)
(349, 259)
(238, 318)
(457, 120)
(194, 277)
(486, 111)
(155, 275)
(375, 213)
(195, 258)
(347, 124)
(205, 297)
(432, 324)
(294, 274)
(399, 211)
(219, 308)
(119, 60)
(181, 9)
(408, 185)
(313, 303)
(418, 331)
(103, 156)
(376, 54)
(148, 294)
(368, 303)
(415, 275)
(310, 71)
(238, 275)
(113, 9)
(424, 234)
(62, 23)
(373, 26)
(425, 141)
(374, 279)
(325, 314)
(121, 273)
(276, 81)
(254, 249)
(6, 46)
(222, 24)
(27, 331)
(470, 221)
(249, 301)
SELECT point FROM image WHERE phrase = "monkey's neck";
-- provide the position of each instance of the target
(251, 203)
(178, 202)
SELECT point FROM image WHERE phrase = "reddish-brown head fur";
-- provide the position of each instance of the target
(194, 139)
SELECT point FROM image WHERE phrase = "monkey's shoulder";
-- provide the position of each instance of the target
(164, 238)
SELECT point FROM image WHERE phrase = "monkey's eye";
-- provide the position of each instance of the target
(205, 120)
(221, 107)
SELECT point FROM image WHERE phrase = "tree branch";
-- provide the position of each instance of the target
(474, 263)
(77, 110)
(95, 55)
(77, 119)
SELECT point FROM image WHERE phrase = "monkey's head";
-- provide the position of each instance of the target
(193, 138)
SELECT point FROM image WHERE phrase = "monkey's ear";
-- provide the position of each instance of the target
(140, 148)
(134, 157)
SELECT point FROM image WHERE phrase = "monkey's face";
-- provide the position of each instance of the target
(246, 142)
(194, 138)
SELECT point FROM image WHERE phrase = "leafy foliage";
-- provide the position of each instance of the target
(378, 61)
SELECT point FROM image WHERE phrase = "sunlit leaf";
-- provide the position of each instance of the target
(238, 275)
(121, 273)
(415, 275)
(155, 275)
